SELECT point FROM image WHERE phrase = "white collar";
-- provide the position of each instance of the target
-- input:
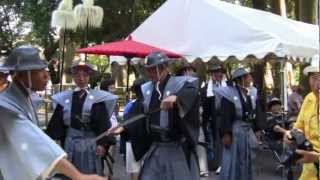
(79, 89)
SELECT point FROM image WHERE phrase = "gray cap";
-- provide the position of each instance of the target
(155, 58)
(311, 69)
(239, 73)
(24, 58)
(215, 68)
(81, 65)
(273, 101)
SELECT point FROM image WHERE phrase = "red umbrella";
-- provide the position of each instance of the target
(127, 48)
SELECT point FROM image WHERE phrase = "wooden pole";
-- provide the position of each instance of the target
(62, 58)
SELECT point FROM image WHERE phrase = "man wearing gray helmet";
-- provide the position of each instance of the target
(80, 116)
(25, 151)
(238, 119)
(168, 137)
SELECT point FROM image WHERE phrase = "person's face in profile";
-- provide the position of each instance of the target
(217, 75)
(39, 79)
(314, 82)
(3, 78)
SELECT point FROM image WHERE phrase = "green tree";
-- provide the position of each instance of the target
(259, 4)
(102, 65)
(11, 25)
(39, 14)
(308, 11)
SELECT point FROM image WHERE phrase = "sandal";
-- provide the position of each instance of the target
(204, 174)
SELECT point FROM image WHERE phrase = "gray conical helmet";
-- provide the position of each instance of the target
(239, 73)
(24, 58)
(155, 58)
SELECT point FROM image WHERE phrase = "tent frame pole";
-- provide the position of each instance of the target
(62, 58)
(284, 79)
(128, 74)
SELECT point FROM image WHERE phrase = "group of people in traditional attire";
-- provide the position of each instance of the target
(167, 128)
(167, 137)
(182, 124)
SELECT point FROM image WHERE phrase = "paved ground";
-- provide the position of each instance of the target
(265, 168)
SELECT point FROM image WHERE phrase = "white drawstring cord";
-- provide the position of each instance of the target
(29, 87)
(158, 83)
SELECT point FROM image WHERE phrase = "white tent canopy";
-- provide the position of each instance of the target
(206, 28)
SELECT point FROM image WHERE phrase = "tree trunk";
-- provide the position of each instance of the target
(258, 71)
(296, 9)
(279, 7)
(69, 56)
(259, 4)
(117, 74)
(276, 73)
(50, 50)
(308, 11)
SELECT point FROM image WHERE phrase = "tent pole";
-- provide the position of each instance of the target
(284, 94)
(284, 99)
(86, 39)
(285, 85)
(62, 62)
(128, 73)
(318, 104)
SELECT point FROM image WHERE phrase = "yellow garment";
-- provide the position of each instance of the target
(307, 122)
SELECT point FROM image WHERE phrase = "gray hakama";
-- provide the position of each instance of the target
(167, 161)
(79, 143)
(237, 159)
(81, 149)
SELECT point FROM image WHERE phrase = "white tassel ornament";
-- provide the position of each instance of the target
(88, 15)
(64, 17)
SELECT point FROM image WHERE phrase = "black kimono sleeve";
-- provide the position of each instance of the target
(56, 128)
(206, 103)
(260, 120)
(227, 114)
(135, 109)
(137, 132)
(208, 116)
(100, 122)
(188, 109)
